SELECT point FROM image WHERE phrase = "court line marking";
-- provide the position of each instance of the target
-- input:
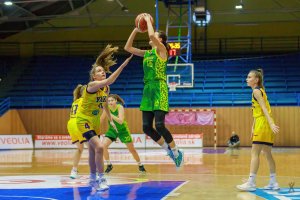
(28, 197)
(172, 193)
(131, 174)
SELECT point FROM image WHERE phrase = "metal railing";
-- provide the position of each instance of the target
(218, 46)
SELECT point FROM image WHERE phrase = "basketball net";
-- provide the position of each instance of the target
(172, 86)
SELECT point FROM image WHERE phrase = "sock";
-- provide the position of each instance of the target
(165, 146)
(252, 178)
(74, 168)
(139, 163)
(273, 178)
(100, 175)
(108, 162)
(93, 176)
(175, 151)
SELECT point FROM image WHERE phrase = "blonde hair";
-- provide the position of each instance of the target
(118, 98)
(259, 73)
(105, 60)
(77, 93)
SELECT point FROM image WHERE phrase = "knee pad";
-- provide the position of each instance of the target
(149, 130)
(162, 130)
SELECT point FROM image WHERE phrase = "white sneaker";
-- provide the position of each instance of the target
(272, 186)
(102, 184)
(247, 186)
(74, 174)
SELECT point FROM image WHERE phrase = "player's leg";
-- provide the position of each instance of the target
(273, 184)
(136, 156)
(106, 143)
(178, 155)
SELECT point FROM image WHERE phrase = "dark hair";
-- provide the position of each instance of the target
(77, 93)
(259, 73)
(164, 37)
(118, 98)
(105, 60)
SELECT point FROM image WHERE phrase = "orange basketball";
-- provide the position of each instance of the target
(141, 23)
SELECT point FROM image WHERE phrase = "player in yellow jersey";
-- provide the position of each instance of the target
(155, 100)
(94, 98)
(263, 132)
(75, 134)
(117, 112)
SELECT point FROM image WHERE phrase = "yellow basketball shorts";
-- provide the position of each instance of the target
(262, 133)
(75, 134)
(86, 124)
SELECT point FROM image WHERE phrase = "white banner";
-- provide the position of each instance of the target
(16, 142)
(138, 141)
(53, 141)
(181, 140)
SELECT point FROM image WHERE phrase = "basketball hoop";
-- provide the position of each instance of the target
(172, 86)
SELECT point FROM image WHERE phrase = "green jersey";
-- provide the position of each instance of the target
(116, 113)
(155, 68)
(155, 93)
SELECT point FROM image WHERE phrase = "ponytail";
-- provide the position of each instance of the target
(259, 73)
(78, 91)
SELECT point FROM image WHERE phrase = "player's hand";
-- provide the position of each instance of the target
(275, 128)
(127, 60)
(147, 17)
(114, 126)
(137, 30)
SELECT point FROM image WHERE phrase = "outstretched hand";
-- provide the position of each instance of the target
(275, 128)
(127, 60)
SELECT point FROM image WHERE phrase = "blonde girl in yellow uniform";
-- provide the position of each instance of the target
(94, 98)
(75, 134)
(263, 132)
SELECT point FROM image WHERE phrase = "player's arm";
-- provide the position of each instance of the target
(109, 116)
(120, 118)
(128, 46)
(257, 94)
(160, 46)
(95, 85)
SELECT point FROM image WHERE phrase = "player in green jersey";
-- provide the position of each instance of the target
(115, 105)
(155, 103)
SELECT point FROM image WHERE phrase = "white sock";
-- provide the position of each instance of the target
(93, 176)
(100, 175)
(139, 163)
(273, 178)
(74, 168)
(108, 162)
(175, 151)
(165, 146)
(252, 178)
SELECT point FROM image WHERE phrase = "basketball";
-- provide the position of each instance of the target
(141, 23)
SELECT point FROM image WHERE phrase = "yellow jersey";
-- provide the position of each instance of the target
(92, 102)
(75, 105)
(256, 109)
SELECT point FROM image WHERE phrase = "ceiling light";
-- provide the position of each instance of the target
(8, 3)
(239, 7)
